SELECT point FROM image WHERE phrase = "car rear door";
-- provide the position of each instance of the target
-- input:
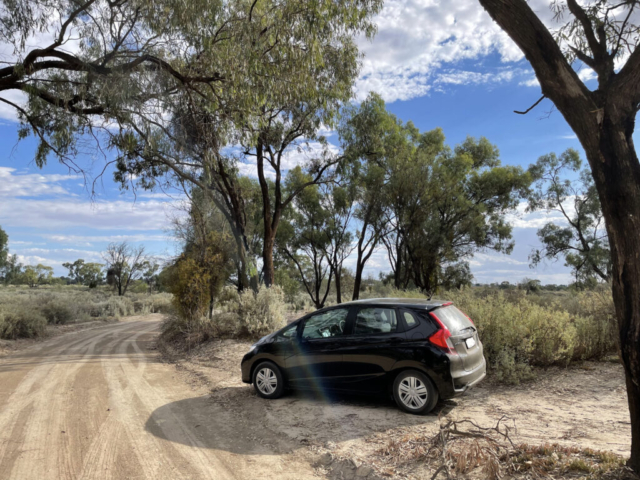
(316, 363)
(464, 335)
(370, 348)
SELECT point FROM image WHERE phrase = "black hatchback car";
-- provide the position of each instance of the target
(420, 351)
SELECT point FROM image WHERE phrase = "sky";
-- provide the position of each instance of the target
(435, 62)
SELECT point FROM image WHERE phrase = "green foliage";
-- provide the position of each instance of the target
(431, 206)
(89, 274)
(124, 264)
(34, 276)
(190, 287)
(21, 321)
(304, 238)
(245, 315)
(198, 274)
(581, 239)
(238, 56)
(259, 314)
(522, 331)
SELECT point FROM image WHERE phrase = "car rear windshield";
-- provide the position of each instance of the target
(454, 319)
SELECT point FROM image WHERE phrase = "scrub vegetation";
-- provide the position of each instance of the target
(25, 312)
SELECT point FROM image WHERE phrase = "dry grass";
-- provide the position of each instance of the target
(464, 449)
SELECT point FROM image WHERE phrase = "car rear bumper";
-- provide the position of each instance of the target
(463, 380)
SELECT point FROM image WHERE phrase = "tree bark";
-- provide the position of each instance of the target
(338, 272)
(616, 170)
(604, 121)
(268, 269)
(358, 279)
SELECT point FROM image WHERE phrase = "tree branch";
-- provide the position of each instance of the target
(531, 107)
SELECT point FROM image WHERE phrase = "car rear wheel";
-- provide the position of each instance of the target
(414, 392)
(268, 381)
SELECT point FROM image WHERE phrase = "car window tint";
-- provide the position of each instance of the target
(288, 333)
(454, 319)
(326, 324)
(375, 320)
(409, 319)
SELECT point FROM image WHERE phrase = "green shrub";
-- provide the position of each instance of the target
(518, 332)
(21, 321)
(59, 312)
(258, 314)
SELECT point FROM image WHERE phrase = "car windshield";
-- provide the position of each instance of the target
(453, 319)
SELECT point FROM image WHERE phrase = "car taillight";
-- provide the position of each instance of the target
(441, 338)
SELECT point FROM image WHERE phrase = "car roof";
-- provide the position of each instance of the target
(405, 302)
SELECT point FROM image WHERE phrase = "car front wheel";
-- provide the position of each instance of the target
(414, 392)
(268, 381)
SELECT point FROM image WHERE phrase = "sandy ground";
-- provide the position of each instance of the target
(584, 406)
(100, 404)
(9, 346)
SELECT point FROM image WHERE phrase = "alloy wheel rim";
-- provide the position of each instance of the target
(413, 392)
(266, 381)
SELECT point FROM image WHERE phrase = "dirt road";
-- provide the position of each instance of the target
(99, 404)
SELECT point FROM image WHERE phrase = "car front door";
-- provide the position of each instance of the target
(372, 347)
(317, 361)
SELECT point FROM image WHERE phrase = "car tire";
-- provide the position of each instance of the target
(414, 392)
(268, 380)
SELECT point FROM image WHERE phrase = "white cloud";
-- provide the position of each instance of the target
(89, 240)
(59, 255)
(14, 184)
(480, 259)
(35, 259)
(64, 211)
(538, 219)
(298, 155)
(417, 38)
(104, 215)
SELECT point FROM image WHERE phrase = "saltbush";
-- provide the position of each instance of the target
(21, 321)
(518, 333)
(70, 304)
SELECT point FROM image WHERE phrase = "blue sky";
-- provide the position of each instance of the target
(436, 64)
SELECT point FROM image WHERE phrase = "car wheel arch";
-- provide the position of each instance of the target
(267, 358)
(403, 368)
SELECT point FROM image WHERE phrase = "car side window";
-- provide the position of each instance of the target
(410, 319)
(288, 333)
(372, 321)
(326, 324)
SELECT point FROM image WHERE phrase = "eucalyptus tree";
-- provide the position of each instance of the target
(304, 238)
(124, 263)
(603, 35)
(579, 237)
(460, 208)
(370, 138)
(303, 64)
(79, 64)
(340, 209)
(83, 273)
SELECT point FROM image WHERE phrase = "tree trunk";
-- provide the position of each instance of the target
(244, 279)
(358, 280)
(616, 172)
(267, 257)
(339, 285)
(604, 121)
